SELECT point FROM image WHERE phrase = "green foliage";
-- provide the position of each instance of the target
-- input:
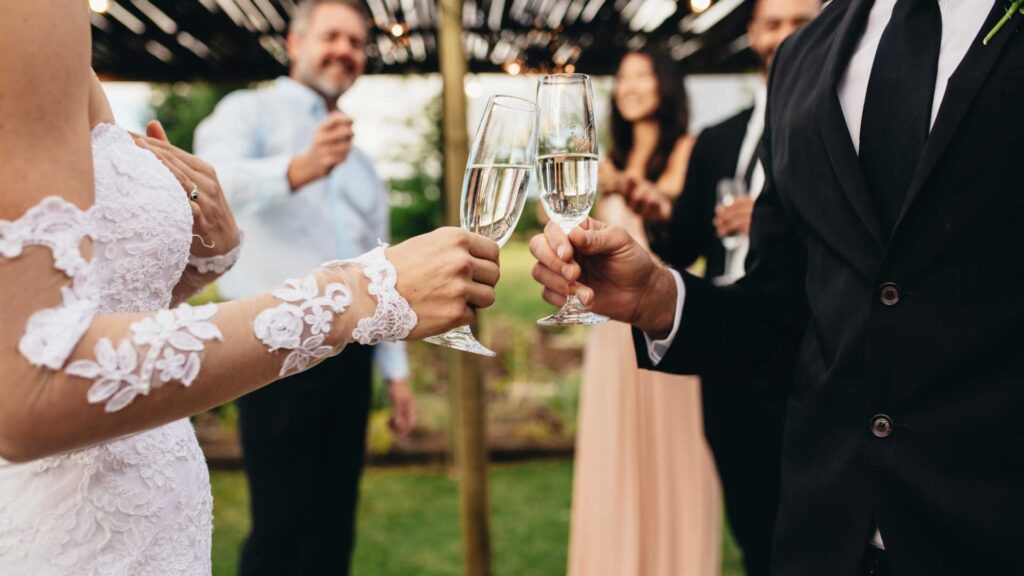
(182, 106)
(518, 295)
(416, 200)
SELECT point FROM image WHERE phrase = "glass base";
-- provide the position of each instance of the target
(461, 339)
(724, 280)
(573, 313)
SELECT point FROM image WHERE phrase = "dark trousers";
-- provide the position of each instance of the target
(743, 423)
(304, 440)
(875, 563)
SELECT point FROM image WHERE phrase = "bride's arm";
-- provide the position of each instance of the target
(128, 372)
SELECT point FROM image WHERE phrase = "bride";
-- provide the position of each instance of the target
(103, 234)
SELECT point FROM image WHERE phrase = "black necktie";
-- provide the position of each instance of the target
(898, 105)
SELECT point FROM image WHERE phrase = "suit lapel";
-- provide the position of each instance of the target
(834, 131)
(960, 92)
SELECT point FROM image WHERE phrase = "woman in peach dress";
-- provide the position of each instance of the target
(646, 498)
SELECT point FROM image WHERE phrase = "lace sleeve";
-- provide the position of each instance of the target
(218, 264)
(160, 348)
(169, 345)
(394, 319)
(300, 323)
(52, 333)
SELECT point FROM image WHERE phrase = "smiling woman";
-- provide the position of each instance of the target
(640, 447)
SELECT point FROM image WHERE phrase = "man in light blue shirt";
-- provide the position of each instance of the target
(305, 195)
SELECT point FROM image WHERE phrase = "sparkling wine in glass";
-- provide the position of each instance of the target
(501, 164)
(728, 191)
(567, 167)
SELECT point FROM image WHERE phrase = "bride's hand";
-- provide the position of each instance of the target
(445, 275)
(215, 231)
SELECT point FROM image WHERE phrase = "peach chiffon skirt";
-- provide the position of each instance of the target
(646, 498)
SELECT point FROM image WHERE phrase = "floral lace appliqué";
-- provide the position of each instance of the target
(173, 341)
(301, 323)
(394, 318)
(218, 264)
(51, 334)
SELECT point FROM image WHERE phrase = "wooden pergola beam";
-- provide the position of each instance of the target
(468, 404)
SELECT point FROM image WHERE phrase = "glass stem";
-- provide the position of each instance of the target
(572, 302)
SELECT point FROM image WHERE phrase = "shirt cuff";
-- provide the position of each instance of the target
(656, 349)
(391, 360)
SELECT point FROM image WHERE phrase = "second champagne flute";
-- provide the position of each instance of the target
(730, 190)
(567, 166)
(494, 189)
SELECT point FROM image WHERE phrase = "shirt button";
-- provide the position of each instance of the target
(881, 426)
(890, 294)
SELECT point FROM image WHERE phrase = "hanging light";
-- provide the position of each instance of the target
(698, 6)
(99, 6)
(397, 30)
(513, 68)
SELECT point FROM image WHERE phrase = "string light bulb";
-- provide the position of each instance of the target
(514, 68)
(698, 6)
(99, 6)
(397, 30)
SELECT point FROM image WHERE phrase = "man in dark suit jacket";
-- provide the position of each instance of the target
(881, 273)
(743, 417)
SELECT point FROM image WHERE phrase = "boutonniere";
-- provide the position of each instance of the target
(1016, 6)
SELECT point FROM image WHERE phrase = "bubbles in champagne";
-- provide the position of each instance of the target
(568, 185)
(493, 197)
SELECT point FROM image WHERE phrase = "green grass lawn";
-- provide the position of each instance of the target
(518, 296)
(408, 522)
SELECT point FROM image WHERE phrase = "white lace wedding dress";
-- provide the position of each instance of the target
(139, 505)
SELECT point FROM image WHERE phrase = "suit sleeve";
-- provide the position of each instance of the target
(755, 326)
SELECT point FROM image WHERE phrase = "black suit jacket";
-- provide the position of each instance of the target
(691, 234)
(939, 351)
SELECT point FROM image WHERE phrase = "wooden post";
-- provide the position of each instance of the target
(468, 407)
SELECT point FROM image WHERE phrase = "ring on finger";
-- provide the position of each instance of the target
(193, 195)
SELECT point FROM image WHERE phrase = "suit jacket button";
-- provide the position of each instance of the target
(881, 426)
(890, 294)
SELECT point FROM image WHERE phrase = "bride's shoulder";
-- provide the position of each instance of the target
(44, 111)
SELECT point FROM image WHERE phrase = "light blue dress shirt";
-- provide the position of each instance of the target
(250, 139)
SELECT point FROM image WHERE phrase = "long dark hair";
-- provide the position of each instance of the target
(672, 115)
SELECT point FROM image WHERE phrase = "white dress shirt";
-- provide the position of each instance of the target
(748, 153)
(251, 139)
(961, 23)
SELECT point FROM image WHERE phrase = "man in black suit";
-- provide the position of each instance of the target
(880, 272)
(743, 417)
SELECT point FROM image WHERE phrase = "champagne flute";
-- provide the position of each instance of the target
(728, 191)
(498, 173)
(567, 166)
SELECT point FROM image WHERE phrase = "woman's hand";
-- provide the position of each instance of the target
(610, 180)
(446, 275)
(648, 202)
(215, 231)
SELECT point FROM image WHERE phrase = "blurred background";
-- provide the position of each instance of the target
(173, 60)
